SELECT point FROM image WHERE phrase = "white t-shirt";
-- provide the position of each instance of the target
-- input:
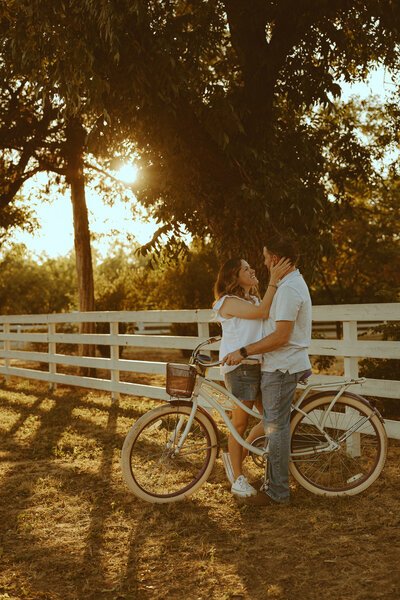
(237, 332)
(291, 302)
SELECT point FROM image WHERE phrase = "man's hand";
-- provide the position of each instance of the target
(233, 358)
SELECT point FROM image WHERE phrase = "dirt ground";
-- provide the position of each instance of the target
(70, 530)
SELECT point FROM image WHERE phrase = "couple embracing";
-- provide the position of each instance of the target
(264, 346)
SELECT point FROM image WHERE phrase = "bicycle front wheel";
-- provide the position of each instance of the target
(347, 456)
(159, 463)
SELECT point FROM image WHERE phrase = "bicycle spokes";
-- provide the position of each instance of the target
(342, 456)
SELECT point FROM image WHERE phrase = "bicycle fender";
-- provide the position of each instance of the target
(348, 394)
(202, 410)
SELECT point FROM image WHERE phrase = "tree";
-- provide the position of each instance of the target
(15, 217)
(13, 166)
(36, 135)
(213, 95)
(29, 286)
(34, 139)
(363, 176)
(125, 281)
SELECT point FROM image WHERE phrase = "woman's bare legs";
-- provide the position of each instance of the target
(239, 421)
(256, 431)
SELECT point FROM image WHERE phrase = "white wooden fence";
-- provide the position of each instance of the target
(23, 331)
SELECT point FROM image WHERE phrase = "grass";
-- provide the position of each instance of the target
(70, 530)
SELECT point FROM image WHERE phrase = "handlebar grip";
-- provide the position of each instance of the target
(208, 364)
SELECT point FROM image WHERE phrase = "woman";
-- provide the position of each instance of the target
(241, 313)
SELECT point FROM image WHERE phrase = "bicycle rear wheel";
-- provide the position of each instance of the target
(361, 449)
(154, 467)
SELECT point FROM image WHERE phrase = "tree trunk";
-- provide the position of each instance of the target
(75, 139)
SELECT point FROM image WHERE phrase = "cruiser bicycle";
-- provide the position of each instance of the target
(338, 439)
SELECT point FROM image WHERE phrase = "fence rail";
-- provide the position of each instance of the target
(20, 334)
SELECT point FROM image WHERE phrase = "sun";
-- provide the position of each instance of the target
(127, 173)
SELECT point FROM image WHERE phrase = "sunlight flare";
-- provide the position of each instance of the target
(128, 173)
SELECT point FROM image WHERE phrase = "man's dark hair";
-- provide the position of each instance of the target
(283, 246)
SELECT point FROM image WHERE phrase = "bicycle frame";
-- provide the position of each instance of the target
(338, 440)
(200, 394)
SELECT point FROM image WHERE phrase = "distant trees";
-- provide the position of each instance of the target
(28, 286)
(123, 280)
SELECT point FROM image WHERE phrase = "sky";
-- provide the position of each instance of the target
(55, 235)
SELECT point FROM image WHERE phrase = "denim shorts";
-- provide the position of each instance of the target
(244, 382)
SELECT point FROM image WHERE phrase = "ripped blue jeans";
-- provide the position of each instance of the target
(278, 391)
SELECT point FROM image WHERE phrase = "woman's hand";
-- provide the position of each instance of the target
(279, 270)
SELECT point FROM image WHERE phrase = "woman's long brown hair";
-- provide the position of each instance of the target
(227, 281)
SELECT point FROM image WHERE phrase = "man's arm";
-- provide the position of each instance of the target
(278, 338)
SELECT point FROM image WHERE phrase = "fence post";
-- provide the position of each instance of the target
(203, 330)
(51, 328)
(20, 344)
(350, 362)
(114, 355)
(7, 347)
(351, 370)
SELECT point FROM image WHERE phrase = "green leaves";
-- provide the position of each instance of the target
(218, 99)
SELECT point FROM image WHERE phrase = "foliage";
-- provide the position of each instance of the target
(124, 281)
(361, 264)
(14, 217)
(30, 287)
(190, 283)
(37, 135)
(17, 119)
(212, 95)
(377, 368)
(118, 278)
(383, 368)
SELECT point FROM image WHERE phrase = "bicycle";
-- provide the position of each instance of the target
(338, 439)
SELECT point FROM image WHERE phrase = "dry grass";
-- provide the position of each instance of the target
(70, 529)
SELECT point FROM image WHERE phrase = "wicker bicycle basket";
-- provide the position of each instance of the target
(180, 380)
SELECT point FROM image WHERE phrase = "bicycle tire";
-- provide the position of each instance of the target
(346, 471)
(151, 469)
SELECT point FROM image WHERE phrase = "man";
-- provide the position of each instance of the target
(285, 360)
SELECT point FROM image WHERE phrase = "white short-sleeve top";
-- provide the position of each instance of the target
(291, 302)
(237, 332)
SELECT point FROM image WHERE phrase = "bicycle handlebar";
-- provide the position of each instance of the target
(195, 353)
(200, 359)
(212, 340)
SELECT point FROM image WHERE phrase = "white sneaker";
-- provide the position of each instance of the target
(242, 488)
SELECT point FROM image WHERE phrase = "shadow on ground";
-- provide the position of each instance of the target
(70, 529)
